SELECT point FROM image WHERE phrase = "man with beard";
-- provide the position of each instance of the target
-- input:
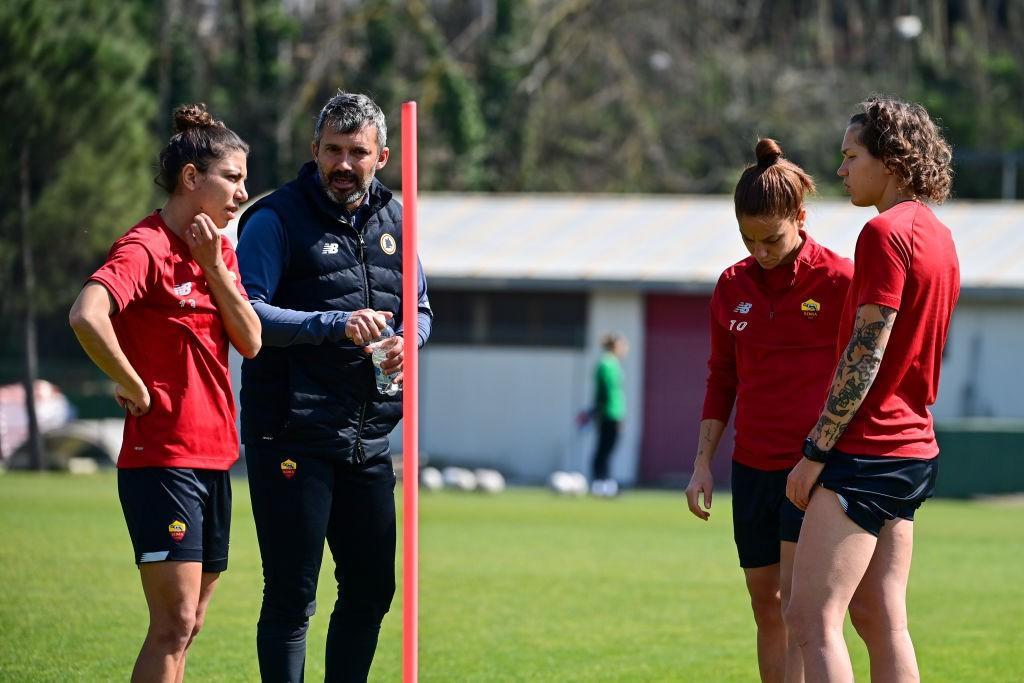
(321, 259)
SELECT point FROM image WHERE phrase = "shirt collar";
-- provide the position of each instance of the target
(784, 277)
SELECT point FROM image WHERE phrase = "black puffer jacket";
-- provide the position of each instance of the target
(322, 398)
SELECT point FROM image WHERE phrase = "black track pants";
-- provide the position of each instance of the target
(607, 435)
(298, 501)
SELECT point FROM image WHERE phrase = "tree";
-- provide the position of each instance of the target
(75, 124)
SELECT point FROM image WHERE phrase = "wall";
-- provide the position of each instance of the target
(515, 408)
(508, 408)
(621, 312)
(982, 364)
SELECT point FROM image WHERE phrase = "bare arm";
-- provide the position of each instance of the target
(854, 376)
(90, 319)
(701, 482)
(240, 320)
(707, 443)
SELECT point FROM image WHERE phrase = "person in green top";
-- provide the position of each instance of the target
(609, 410)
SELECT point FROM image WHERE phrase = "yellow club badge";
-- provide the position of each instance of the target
(177, 529)
(288, 468)
(810, 309)
(388, 243)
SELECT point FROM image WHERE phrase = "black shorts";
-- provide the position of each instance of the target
(874, 490)
(177, 514)
(762, 516)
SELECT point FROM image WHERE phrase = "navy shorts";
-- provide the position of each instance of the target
(762, 516)
(177, 514)
(874, 490)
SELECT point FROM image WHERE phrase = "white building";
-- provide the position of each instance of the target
(524, 286)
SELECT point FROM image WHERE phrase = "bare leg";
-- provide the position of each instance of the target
(879, 607)
(765, 600)
(794, 661)
(831, 557)
(172, 592)
(209, 582)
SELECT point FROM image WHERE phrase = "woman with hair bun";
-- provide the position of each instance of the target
(774, 319)
(871, 459)
(157, 318)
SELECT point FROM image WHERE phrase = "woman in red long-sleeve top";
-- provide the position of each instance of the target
(774, 320)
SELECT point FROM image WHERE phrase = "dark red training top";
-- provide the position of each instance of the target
(773, 351)
(172, 334)
(905, 260)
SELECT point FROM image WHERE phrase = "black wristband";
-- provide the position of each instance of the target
(813, 453)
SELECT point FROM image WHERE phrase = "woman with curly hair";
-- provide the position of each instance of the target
(871, 460)
(157, 318)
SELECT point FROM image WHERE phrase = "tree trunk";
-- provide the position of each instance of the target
(35, 440)
(165, 62)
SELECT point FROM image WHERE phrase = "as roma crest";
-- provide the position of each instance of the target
(810, 309)
(288, 468)
(177, 529)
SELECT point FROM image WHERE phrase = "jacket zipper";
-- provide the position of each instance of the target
(360, 449)
(366, 277)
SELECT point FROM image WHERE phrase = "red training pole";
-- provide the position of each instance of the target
(410, 402)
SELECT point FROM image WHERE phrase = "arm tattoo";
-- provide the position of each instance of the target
(857, 370)
(866, 335)
(707, 442)
(705, 436)
(829, 428)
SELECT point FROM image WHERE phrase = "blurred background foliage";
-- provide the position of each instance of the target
(645, 96)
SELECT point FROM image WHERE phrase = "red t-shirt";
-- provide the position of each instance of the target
(905, 259)
(773, 351)
(171, 332)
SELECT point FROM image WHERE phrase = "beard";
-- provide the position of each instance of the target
(360, 186)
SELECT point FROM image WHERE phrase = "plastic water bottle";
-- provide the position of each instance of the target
(386, 385)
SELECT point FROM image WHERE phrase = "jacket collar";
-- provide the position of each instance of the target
(788, 274)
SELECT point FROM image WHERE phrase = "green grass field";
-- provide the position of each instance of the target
(518, 587)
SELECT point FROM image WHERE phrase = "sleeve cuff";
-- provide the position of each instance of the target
(116, 294)
(717, 408)
(887, 300)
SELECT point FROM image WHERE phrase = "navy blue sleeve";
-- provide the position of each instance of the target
(262, 253)
(424, 315)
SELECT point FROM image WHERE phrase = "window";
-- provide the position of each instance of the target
(552, 319)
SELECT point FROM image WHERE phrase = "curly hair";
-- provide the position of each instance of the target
(909, 143)
(774, 186)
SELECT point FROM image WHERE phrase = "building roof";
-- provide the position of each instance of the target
(666, 243)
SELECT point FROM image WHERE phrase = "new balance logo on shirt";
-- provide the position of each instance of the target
(330, 248)
(743, 307)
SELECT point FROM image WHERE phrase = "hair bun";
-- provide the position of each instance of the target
(768, 152)
(189, 116)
